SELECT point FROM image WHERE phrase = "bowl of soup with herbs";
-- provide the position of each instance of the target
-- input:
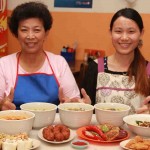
(112, 113)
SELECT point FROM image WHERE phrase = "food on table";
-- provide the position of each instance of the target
(9, 145)
(79, 144)
(15, 142)
(95, 133)
(56, 132)
(104, 132)
(14, 117)
(138, 143)
(40, 109)
(75, 109)
(112, 109)
(143, 123)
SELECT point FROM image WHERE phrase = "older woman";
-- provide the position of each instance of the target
(33, 74)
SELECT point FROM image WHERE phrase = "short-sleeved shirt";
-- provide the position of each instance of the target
(64, 76)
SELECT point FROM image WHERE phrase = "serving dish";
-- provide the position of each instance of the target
(131, 121)
(72, 136)
(16, 121)
(36, 144)
(137, 142)
(81, 135)
(15, 145)
(44, 113)
(111, 113)
(79, 144)
(123, 143)
(75, 115)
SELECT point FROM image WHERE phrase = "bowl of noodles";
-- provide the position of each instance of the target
(44, 113)
(138, 124)
(111, 113)
(16, 121)
(75, 115)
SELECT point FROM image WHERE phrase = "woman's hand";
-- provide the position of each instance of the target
(7, 102)
(147, 100)
(64, 99)
(86, 98)
(144, 108)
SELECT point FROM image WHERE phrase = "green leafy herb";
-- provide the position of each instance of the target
(139, 122)
(105, 128)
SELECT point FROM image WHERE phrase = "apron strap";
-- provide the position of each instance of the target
(52, 69)
(101, 64)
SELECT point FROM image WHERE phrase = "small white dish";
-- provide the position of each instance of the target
(123, 144)
(79, 144)
(36, 144)
(72, 135)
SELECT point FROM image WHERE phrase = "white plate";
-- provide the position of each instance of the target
(36, 144)
(72, 135)
(123, 143)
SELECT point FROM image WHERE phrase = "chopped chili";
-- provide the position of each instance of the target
(79, 143)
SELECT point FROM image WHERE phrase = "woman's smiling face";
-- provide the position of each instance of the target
(125, 35)
(31, 35)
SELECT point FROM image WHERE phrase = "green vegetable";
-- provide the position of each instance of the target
(105, 128)
(139, 122)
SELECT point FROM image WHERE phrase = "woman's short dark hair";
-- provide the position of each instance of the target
(30, 10)
(130, 14)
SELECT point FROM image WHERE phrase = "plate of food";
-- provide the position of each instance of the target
(20, 144)
(35, 144)
(105, 133)
(18, 141)
(123, 144)
(137, 142)
(56, 134)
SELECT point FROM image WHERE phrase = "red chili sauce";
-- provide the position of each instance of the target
(79, 143)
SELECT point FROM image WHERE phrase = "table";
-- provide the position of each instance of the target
(67, 146)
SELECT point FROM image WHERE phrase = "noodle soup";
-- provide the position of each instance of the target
(44, 113)
(112, 113)
(16, 121)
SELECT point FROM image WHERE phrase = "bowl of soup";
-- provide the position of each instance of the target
(139, 124)
(75, 115)
(16, 121)
(111, 113)
(44, 113)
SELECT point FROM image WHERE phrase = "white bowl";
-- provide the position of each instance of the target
(139, 130)
(73, 118)
(105, 113)
(79, 144)
(14, 126)
(44, 113)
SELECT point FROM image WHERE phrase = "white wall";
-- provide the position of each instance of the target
(99, 6)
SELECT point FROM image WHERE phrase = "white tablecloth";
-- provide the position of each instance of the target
(67, 146)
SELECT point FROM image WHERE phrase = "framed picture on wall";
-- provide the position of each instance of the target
(73, 3)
